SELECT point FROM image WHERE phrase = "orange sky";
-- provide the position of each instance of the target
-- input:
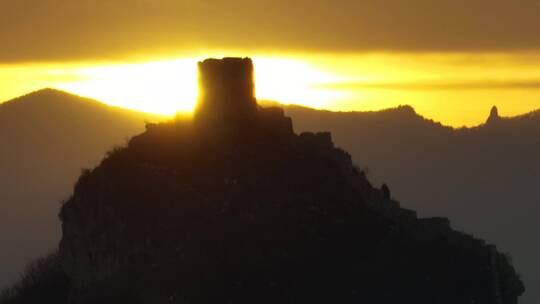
(455, 89)
(451, 60)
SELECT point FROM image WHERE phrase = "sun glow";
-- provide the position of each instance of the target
(162, 87)
(455, 89)
(167, 87)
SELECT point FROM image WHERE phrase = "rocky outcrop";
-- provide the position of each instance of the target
(251, 212)
(494, 117)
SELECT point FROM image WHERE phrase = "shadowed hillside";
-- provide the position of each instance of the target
(46, 138)
(503, 154)
(485, 179)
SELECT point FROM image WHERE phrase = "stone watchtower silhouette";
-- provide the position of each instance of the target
(226, 92)
(227, 104)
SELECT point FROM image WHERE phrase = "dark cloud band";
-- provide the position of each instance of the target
(59, 30)
(433, 86)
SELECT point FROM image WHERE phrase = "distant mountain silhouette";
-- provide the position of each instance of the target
(46, 138)
(484, 179)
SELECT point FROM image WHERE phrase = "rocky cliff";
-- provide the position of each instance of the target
(235, 209)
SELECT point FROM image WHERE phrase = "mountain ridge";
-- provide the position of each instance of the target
(402, 108)
(406, 110)
(52, 95)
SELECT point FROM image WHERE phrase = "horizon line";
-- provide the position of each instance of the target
(270, 102)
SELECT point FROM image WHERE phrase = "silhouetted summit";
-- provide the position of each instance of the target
(493, 116)
(225, 209)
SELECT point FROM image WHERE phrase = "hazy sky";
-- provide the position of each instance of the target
(374, 53)
(35, 30)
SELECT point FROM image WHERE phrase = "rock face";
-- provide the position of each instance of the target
(251, 212)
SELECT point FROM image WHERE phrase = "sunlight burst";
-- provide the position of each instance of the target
(166, 87)
(156, 87)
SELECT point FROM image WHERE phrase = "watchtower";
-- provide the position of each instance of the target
(226, 92)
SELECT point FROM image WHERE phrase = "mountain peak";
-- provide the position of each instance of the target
(48, 92)
(493, 116)
(407, 109)
(44, 95)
